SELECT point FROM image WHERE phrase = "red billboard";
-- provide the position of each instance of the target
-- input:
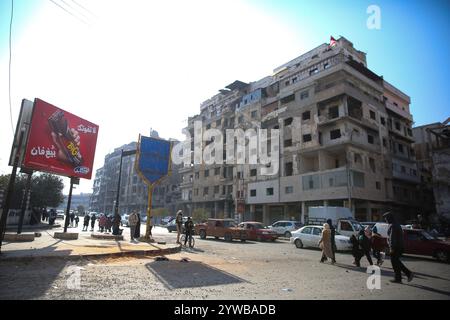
(60, 142)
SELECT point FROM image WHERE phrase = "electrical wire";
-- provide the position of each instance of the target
(84, 8)
(9, 67)
(75, 10)
(67, 11)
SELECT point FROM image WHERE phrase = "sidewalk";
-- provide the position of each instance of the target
(48, 247)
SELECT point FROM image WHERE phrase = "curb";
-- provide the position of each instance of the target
(133, 253)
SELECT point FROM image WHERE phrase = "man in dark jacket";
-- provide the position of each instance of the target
(333, 240)
(395, 236)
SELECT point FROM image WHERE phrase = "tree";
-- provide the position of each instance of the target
(46, 190)
(200, 215)
(80, 209)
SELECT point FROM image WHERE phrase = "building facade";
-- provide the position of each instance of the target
(344, 139)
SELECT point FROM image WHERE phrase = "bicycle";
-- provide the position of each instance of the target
(191, 240)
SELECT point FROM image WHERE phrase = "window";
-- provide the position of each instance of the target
(358, 179)
(326, 65)
(307, 137)
(372, 115)
(206, 173)
(306, 115)
(370, 139)
(217, 171)
(288, 168)
(253, 193)
(197, 175)
(208, 126)
(254, 114)
(304, 95)
(311, 182)
(333, 112)
(195, 192)
(317, 231)
(239, 175)
(403, 169)
(400, 148)
(289, 189)
(372, 164)
(288, 143)
(378, 185)
(241, 119)
(313, 71)
(335, 134)
(383, 121)
(269, 192)
(216, 189)
(252, 172)
(397, 125)
(307, 230)
(288, 99)
(409, 132)
(346, 226)
(384, 142)
(287, 122)
(230, 189)
(218, 122)
(205, 191)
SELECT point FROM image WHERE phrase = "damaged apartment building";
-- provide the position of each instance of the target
(345, 139)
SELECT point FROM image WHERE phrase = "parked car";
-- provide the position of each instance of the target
(341, 217)
(221, 228)
(172, 226)
(167, 220)
(420, 242)
(60, 214)
(257, 231)
(285, 228)
(309, 236)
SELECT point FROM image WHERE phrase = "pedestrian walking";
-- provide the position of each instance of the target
(179, 223)
(86, 222)
(377, 245)
(325, 244)
(77, 219)
(93, 218)
(132, 221)
(116, 225)
(188, 229)
(102, 223)
(365, 244)
(357, 253)
(109, 223)
(396, 247)
(72, 219)
(333, 240)
(137, 230)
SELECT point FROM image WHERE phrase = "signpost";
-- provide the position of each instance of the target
(152, 164)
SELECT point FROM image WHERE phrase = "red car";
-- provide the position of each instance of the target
(257, 231)
(420, 242)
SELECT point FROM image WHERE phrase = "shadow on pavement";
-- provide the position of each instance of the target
(418, 286)
(175, 274)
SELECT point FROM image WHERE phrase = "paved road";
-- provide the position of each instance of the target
(220, 270)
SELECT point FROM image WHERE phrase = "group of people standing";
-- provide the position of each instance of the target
(366, 241)
(188, 227)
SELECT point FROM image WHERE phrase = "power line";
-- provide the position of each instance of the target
(9, 68)
(82, 7)
(67, 11)
(74, 9)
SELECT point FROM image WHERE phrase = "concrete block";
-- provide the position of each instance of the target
(14, 237)
(102, 236)
(66, 235)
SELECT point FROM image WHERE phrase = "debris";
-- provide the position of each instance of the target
(184, 260)
(287, 289)
(161, 259)
(161, 242)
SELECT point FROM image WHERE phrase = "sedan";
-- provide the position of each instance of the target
(309, 236)
(257, 231)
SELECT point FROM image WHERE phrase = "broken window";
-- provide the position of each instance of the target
(288, 143)
(383, 121)
(372, 164)
(253, 193)
(288, 121)
(288, 99)
(335, 134)
(288, 168)
(333, 112)
(304, 95)
(372, 115)
(370, 139)
(307, 137)
(306, 115)
(252, 172)
(254, 114)
(206, 173)
(354, 108)
(269, 191)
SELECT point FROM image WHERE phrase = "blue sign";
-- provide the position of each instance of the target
(153, 159)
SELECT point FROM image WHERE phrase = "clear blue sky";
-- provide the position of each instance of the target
(411, 50)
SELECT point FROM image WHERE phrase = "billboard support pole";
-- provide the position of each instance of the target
(69, 200)
(24, 202)
(10, 191)
(149, 210)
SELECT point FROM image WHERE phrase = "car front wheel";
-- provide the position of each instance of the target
(298, 243)
(287, 234)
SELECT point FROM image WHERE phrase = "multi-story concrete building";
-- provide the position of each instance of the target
(345, 139)
(133, 191)
(432, 146)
